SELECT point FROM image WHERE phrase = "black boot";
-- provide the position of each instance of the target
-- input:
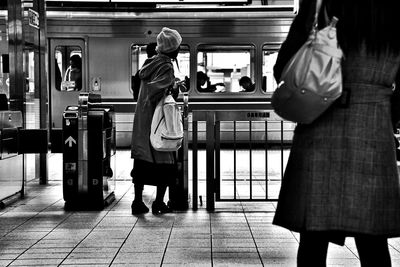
(160, 208)
(138, 207)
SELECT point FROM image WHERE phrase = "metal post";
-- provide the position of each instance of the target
(234, 160)
(194, 164)
(250, 160)
(282, 150)
(210, 115)
(41, 81)
(266, 159)
(186, 149)
(16, 45)
(178, 191)
(217, 159)
(16, 77)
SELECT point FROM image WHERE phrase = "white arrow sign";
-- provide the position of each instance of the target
(70, 140)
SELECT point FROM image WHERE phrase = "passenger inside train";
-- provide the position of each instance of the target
(247, 84)
(73, 76)
(204, 85)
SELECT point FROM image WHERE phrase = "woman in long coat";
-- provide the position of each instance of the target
(150, 166)
(341, 178)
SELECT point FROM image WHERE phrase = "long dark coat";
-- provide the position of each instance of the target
(342, 173)
(157, 75)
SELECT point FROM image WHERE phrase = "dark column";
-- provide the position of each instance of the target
(16, 77)
(41, 82)
(16, 45)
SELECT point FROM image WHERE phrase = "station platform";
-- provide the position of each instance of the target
(37, 231)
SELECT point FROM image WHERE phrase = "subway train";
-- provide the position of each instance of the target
(225, 46)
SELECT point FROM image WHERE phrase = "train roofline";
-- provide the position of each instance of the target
(179, 13)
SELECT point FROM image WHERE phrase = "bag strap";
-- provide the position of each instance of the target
(328, 21)
(318, 5)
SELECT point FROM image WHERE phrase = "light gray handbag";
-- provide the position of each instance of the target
(312, 80)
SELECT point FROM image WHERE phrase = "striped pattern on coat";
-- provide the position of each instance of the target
(342, 173)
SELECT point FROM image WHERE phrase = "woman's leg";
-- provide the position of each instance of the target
(139, 192)
(159, 206)
(160, 193)
(138, 207)
(373, 251)
(169, 172)
(313, 249)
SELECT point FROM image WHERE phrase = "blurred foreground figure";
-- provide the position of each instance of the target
(341, 179)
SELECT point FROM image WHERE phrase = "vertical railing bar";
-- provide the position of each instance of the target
(281, 150)
(266, 160)
(185, 150)
(218, 159)
(195, 161)
(210, 165)
(251, 159)
(234, 160)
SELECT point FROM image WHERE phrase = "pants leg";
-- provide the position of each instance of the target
(160, 193)
(373, 251)
(313, 249)
(139, 192)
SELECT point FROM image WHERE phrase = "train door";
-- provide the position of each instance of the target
(67, 76)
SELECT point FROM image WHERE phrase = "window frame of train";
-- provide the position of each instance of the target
(226, 51)
(139, 55)
(62, 55)
(269, 56)
(66, 94)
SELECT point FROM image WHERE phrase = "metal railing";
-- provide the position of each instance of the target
(274, 134)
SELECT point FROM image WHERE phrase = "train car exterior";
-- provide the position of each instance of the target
(224, 45)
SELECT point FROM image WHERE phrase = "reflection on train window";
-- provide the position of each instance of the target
(29, 71)
(269, 58)
(68, 68)
(140, 53)
(225, 68)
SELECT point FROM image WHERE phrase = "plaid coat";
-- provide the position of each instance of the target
(342, 173)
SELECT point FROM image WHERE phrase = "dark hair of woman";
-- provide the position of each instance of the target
(173, 55)
(374, 23)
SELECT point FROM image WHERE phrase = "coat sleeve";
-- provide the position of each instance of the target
(297, 36)
(163, 79)
(136, 85)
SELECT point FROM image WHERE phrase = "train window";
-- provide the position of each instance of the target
(181, 69)
(225, 68)
(139, 53)
(68, 68)
(269, 58)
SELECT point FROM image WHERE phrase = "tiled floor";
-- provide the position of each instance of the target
(36, 231)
